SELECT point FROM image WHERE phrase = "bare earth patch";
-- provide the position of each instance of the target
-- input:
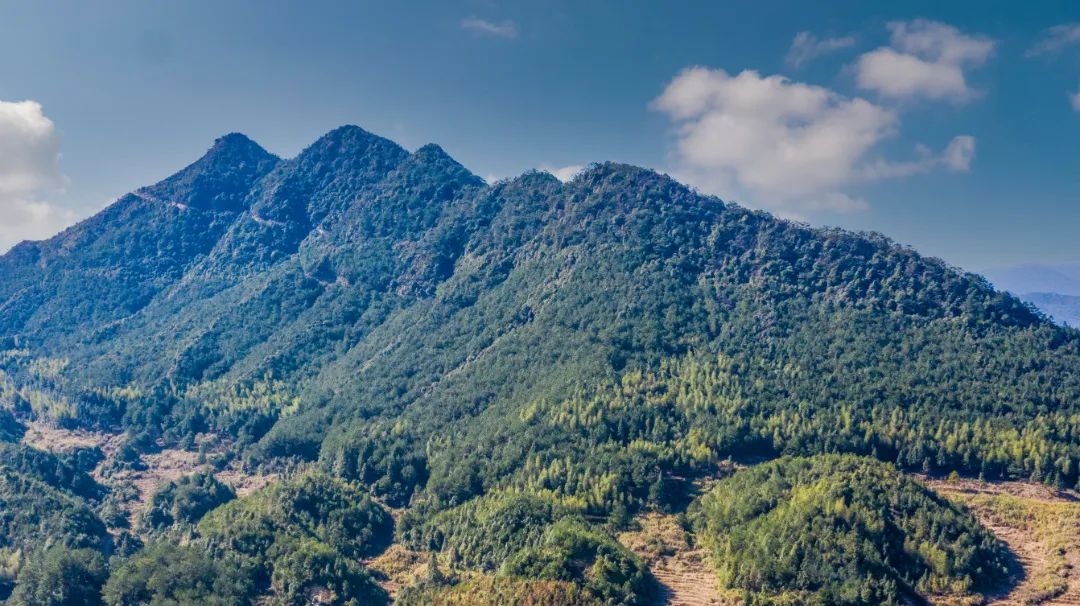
(1040, 525)
(53, 439)
(684, 572)
(397, 567)
(161, 467)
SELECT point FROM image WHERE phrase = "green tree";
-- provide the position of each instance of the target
(165, 574)
(60, 577)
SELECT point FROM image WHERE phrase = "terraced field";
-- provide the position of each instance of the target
(683, 570)
(1042, 528)
(1040, 525)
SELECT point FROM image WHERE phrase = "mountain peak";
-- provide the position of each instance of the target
(352, 142)
(350, 130)
(232, 143)
(220, 179)
(432, 151)
(434, 157)
(601, 171)
(351, 135)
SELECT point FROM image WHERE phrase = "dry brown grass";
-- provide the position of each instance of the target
(684, 571)
(1040, 525)
(397, 567)
(53, 439)
(161, 467)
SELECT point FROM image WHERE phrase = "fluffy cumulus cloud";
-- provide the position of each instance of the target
(483, 27)
(1055, 39)
(1074, 99)
(807, 47)
(29, 171)
(925, 59)
(786, 145)
(563, 173)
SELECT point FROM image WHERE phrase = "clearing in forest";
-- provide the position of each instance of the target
(1040, 525)
(683, 570)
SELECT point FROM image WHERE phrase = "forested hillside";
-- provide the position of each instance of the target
(826, 530)
(518, 368)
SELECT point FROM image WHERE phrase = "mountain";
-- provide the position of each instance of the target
(1061, 278)
(1053, 289)
(1064, 309)
(388, 321)
(112, 265)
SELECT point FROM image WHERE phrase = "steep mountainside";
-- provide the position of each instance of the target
(388, 317)
(359, 287)
(114, 264)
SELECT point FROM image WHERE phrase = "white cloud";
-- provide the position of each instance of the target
(29, 150)
(806, 47)
(26, 219)
(768, 135)
(956, 157)
(925, 59)
(502, 29)
(900, 75)
(959, 153)
(833, 201)
(29, 168)
(563, 173)
(1055, 39)
(790, 146)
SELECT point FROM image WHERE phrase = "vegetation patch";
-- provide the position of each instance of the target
(496, 591)
(571, 551)
(184, 502)
(485, 531)
(301, 537)
(840, 529)
(1041, 526)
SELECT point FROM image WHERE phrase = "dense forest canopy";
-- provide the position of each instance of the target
(842, 530)
(520, 367)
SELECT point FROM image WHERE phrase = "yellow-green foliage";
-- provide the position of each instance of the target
(494, 591)
(566, 480)
(1053, 526)
(8, 356)
(838, 529)
(45, 403)
(697, 409)
(47, 369)
(8, 391)
(50, 406)
(483, 532)
(128, 393)
(10, 560)
(266, 395)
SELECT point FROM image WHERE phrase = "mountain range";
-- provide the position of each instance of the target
(396, 333)
(1054, 289)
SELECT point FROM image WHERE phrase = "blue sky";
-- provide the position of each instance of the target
(947, 126)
